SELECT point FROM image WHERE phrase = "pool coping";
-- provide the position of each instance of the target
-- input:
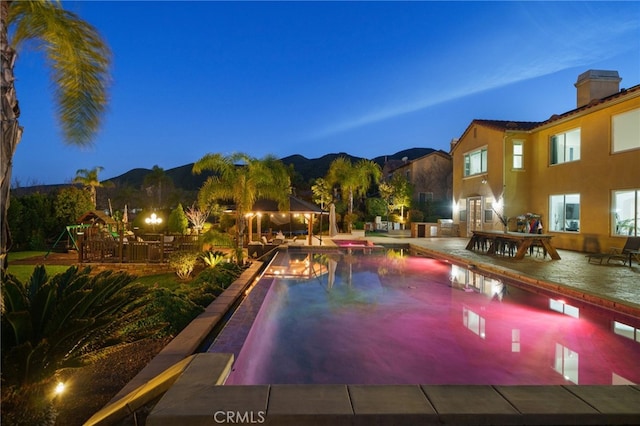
(197, 399)
(191, 401)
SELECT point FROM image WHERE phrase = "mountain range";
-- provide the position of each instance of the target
(306, 170)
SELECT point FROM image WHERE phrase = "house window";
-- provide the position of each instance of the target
(423, 197)
(565, 147)
(518, 154)
(564, 213)
(626, 212)
(626, 131)
(488, 211)
(475, 162)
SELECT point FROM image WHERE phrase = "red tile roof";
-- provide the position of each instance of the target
(508, 125)
(593, 103)
(530, 125)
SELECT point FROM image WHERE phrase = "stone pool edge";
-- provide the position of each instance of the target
(196, 401)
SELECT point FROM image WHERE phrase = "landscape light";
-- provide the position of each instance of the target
(59, 388)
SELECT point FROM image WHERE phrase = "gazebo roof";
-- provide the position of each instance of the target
(96, 216)
(296, 205)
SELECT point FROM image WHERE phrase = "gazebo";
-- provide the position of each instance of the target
(297, 208)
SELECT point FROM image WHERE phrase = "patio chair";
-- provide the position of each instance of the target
(632, 244)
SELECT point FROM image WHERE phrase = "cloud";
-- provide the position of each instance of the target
(557, 44)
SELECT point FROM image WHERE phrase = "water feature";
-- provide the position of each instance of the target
(374, 317)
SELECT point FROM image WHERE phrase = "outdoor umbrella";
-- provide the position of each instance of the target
(333, 229)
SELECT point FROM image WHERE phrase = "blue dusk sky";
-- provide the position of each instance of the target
(313, 78)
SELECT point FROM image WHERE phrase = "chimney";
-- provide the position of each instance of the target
(596, 84)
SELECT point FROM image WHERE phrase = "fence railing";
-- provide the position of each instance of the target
(146, 249)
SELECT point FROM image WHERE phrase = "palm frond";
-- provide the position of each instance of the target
(58, 322)
(79, 60)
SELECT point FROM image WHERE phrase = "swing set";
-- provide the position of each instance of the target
(71, 232)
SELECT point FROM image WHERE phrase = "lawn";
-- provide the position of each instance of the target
(23, 270)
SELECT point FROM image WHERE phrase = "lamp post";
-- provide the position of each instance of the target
(153, 220)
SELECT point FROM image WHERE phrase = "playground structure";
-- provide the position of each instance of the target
(98, 238)
(71, 232)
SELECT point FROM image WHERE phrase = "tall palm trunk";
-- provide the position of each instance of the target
(11, 130)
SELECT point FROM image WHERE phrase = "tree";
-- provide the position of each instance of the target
(353, 179)
(89, 180)
(401, 193)
(79, 60)
(386, 193)
(31, 221)
(70, 204)
(178, 221)
(322, 193)
(197, 217)
(155, 181)
(243, 179)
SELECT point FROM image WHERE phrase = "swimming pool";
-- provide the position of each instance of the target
(375, 317)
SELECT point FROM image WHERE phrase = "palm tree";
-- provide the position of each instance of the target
(244, 180)
(353, 179)
(89, 179)
(79, 60)
(155, 179)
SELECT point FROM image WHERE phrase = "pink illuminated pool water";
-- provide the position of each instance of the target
(382, 318)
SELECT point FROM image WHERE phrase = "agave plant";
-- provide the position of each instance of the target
(49, 324)
(213, 258)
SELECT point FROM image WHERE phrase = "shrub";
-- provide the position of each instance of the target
(49, 324)
(171, 311)
(178, 221)
(213, 258)
(415, 216)
(25, 407)
(349, 220)
(183, 263)
(211, 282)
(174, 310)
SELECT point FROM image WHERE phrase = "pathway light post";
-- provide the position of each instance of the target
(153, 220)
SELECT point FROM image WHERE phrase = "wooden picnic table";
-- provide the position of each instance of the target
(522, 241)
(632, 254)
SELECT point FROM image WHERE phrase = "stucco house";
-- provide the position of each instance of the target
(430, 177)
(578, 171)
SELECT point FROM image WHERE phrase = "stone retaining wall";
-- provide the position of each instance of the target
(139, 269)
